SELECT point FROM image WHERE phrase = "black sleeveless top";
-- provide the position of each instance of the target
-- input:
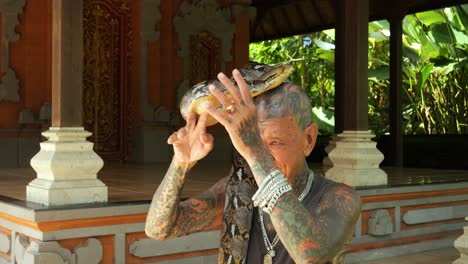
(257, 248)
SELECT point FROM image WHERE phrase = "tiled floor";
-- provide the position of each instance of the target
(439, 256)
(125, 182)
(136, 182)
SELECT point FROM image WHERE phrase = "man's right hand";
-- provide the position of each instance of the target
(191, 143)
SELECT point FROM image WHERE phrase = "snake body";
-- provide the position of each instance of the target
(241, 185)
(259, 77)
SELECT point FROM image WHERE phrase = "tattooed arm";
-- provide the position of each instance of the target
(317, 238)
(168, 217)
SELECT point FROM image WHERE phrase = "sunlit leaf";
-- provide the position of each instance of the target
(330, 33)
(462, 12)
(378, 25)
(425, 71)
(323, 45)
(460, 37)
(378, 36)
(328, 55)
(324, 119)
(431, 17)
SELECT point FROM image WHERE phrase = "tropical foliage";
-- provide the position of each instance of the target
(435, 53)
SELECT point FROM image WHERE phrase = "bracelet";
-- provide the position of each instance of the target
(268, 196)
(275, 198)
(264, 186)
(270, 190)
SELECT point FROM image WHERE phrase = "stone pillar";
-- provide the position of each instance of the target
(461, 244)
(355, 157)
(66, 165)
(356, 160)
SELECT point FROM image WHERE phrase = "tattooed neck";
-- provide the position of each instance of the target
(299, 182)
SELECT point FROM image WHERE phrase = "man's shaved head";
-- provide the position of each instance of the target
(285, 100)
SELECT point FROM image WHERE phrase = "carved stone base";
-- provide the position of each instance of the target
(327, 163)
(66, 169)
(461, 244)
(51, 252)
(356, 160)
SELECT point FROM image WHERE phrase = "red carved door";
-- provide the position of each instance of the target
(107, 44)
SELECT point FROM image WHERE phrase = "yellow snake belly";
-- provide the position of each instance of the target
(259, 77)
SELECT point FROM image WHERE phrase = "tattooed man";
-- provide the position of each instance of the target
(274, 134)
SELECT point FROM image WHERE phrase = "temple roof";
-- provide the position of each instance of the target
(282, 18)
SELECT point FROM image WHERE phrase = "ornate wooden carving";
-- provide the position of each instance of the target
(192, 24)
(107, 49)
(205, 57)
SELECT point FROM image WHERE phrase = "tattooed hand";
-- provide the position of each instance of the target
(241, 124)
(191, 143)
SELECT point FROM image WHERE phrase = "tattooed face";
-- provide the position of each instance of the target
(285, 100)
(285, 122)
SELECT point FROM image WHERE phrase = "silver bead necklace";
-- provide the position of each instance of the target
(268, 258)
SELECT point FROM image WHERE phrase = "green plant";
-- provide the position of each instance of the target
(435, 61)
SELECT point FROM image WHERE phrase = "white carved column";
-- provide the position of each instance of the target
(66, 165)
(327, 163)
(461, 244)
(356, 160)
(353, 155)
(66, 168)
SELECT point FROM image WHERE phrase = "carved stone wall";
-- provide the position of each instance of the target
(35, 251)
(9, 84)
(5, 247)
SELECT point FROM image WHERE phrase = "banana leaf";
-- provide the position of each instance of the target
(324, 119)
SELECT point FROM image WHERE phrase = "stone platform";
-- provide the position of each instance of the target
(413, 214)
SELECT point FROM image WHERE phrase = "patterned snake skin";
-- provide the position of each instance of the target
(238, 211)
(259, 77)
(237, 218)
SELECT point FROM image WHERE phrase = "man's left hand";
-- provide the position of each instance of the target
(239, 114)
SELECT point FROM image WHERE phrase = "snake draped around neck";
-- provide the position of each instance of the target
(238, 212)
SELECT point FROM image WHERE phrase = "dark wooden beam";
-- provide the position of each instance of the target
(287, 18)
(261, 29)
(274, 23)
(67, 63)
(378, 10)
(396, 71)
(351, 69)
(417, 6)
(300, 13)
(317, 11)
(339, 71)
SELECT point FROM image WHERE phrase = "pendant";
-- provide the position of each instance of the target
(268, 258)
